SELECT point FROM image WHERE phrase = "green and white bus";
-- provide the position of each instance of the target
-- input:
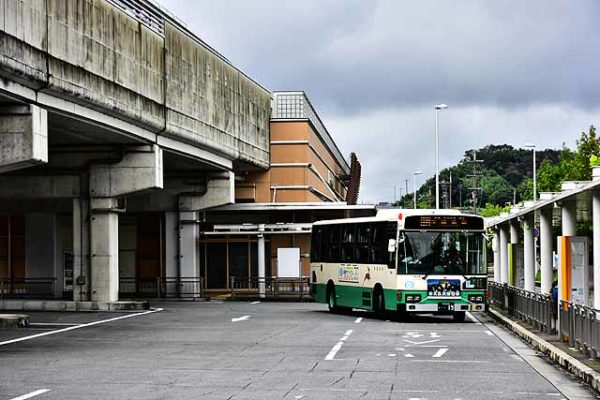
(406, 261)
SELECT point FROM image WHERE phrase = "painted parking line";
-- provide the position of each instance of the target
(70, 328)
(30, 395)
(244, 318)
(331, 355)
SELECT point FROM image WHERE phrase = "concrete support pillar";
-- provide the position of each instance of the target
(529, 252)
(261, 261)
(104, 228)
(503, 253)
(23, 137)
(569, 218)
(81, 249)
(496, 250)
(596, 238)
(188, 244)
(546, 241)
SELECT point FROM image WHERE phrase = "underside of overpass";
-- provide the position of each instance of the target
(112, 133)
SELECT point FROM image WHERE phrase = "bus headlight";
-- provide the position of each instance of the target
(476, 298)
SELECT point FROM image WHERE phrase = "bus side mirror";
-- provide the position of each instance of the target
(392, 245)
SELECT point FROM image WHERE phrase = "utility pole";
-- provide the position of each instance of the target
(406, 191)
(475, 175)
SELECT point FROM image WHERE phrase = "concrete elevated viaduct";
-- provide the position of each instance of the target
(117, 127)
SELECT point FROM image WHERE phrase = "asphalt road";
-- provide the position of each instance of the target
(215, 350)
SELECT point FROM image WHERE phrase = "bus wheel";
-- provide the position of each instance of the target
(459, 316)
(378, 303)
(331, 303)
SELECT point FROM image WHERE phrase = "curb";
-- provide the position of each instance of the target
(14, 321)
(569, 363)
(63, 305)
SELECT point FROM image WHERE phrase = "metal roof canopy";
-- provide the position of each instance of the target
(577, 193)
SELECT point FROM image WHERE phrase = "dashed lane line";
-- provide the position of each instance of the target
(358, 320)
(30, 395)
(440, 353)
(244, 318)
(70, 328)
(331, 355)
(255, 302)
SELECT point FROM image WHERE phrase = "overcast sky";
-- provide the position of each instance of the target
(511, 72)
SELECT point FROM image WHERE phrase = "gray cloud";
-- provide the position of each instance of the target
(511, 71)
(357, 55)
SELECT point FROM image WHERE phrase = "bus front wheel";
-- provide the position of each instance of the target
(378, 303)
(331, 302)
(459, 316)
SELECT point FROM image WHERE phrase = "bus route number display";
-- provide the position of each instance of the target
(443, 222)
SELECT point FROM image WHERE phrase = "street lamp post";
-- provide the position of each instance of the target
(415, 188)
(532, 146)
(437, 155)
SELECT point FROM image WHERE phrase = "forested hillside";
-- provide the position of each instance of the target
(497, 175)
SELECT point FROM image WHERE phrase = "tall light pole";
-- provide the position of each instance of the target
(415, 188)
(437, 155)
(532, 146)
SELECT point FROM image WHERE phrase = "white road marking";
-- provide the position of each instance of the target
(435, 335)
(70, 328)
(418, 343)
(331, 355)
(453, 361)
(472, 318)
(489, 333)
(338, 346)
(392, 355)
(409, 355)
(245, 317)
(30, 395)
(439, 353)
(255, 302)
(358, 320)
(52, 324)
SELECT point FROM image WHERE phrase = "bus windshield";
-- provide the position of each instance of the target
(425, 253)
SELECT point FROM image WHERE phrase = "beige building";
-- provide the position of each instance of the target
(308, 180)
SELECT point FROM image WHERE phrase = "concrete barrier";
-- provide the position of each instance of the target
(62, 305)
(14, 321)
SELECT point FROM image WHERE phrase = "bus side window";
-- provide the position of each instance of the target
(348, 240)
(378, 252)
(363, 238)
(333, 244)
(315, 245)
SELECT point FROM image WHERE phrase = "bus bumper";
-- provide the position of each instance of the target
(440, 307)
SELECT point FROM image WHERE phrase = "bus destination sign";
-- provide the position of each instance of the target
(451, 222)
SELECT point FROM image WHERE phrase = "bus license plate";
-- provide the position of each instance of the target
(445, 307)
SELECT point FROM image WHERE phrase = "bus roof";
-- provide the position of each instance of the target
(393, 214)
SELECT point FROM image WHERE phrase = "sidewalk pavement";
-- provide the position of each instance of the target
(572, 360)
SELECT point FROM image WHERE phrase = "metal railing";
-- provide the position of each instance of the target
(162, 288)
(27, 288)
(190, 288)
(579, 325)
(273, 288)
(534, 308)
